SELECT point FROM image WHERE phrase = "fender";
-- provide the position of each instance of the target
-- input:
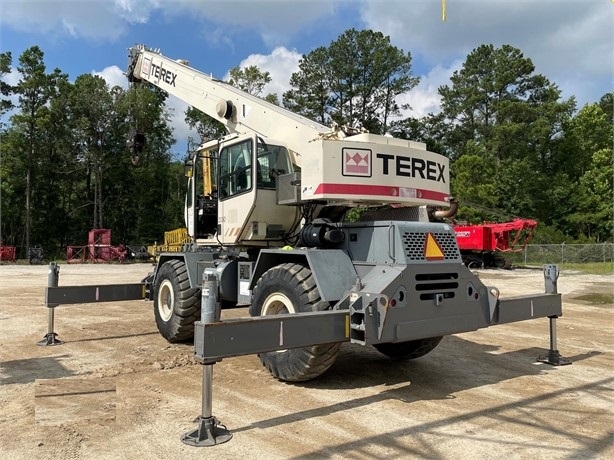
(332, 269)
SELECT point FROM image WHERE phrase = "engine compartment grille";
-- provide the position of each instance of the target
(413, 244)
(430, 285)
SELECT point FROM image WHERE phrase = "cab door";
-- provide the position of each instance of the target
(201, 206)
(236, 187)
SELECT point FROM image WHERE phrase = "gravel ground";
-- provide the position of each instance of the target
(116, 389)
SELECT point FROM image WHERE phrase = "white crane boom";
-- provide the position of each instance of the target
(239, 111)
(357, 169)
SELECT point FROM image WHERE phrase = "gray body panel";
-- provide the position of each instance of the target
(383, 284)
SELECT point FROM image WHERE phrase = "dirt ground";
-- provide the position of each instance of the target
(115, 389)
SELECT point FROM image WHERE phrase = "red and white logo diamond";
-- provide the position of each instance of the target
(356, 162)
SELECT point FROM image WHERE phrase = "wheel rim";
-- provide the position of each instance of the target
(276, 304)
(166, 300)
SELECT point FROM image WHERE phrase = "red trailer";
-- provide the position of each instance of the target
(485, 244)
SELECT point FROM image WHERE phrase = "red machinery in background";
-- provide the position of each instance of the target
(8, 253)
(98, 249)
(484, 245)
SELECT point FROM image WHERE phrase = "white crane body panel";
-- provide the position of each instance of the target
(361, 169)
(366, 168)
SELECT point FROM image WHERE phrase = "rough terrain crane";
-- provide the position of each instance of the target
(265, 212)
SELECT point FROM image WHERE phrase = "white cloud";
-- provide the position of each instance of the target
(135, 11)
(280, 64)
(104, 20)
(181, 130)
(114, 76)
(275, 20)
(93, 19)
(424, 98)
(569, 41)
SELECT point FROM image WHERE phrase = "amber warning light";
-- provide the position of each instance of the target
(432, 250)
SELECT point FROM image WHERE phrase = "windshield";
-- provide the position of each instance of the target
(273, 161)
(236, 175)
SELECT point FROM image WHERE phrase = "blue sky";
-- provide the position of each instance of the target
(570, 41)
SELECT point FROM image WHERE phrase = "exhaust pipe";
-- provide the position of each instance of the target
(448, 213)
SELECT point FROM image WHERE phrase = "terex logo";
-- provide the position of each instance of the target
(356, 162)
(412, 167)
(163, 74)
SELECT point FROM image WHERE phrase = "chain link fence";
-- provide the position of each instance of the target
(563, 253)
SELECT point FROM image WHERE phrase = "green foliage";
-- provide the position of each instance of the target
(207, 127)
(6, 60)
(430, 130)
(249, 79)
(474, 184)
(594, 213)
(516, 148)
(607, 105)
(311, 94)
(595, 268)
(537, 158)
(545, 234)
(354, 82)
(65, 161)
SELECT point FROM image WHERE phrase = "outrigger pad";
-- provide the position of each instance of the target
(208, 433)
(554, 358)
(49, 340)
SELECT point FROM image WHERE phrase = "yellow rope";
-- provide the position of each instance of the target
(443, 10)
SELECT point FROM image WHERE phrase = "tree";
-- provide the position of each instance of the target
(206, 126)
(429, 129)
(249, 79)
(311, 95)
(35, 89)
(6, 61)
(93, 108)
(495, 98)
(587, 149)
(354, 82)
(516, 117)
(476, 193)
(141, 195)
(57, 172)
(607, 105)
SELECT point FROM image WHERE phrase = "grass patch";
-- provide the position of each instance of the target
(593, 268)
(597, 299)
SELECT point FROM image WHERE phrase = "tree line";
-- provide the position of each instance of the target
(516, 147)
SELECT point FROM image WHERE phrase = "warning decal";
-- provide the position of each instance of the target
(432, 250)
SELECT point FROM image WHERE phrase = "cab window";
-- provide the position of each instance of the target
(235, 169)
(273, 161)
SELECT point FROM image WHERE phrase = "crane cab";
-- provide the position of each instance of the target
(232, 193)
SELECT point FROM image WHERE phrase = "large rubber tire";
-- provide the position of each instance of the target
(176, 305)
(408, 350)
(290, 288)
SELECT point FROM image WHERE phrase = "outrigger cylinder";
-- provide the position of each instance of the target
(209, 432)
